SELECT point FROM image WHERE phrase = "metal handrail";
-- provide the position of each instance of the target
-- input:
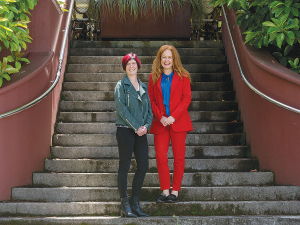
(280, 104)
(61, 56)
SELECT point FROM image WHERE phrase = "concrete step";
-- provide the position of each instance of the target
(192, 152)
(145, 68)
(110, 139)
(145, 44)
(109, 106)
(110, 86)
(108, 194)
(143, 59)
(109, 95)
(196, 116)
(111, 165)
(200, 179)
(154, 220)
(144, 77)
(195, 208)
(140, 51)
(110, 128)
(73, 117)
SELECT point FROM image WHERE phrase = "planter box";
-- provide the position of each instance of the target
(148, 27)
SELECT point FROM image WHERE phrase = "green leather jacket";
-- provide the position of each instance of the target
(133, 110)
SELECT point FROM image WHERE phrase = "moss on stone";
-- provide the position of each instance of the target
(198, 152)
(195, 210)
(208, 180)
(149, 194)
(152, 170)
(197, 180)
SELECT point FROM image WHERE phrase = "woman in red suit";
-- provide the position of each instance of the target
(170, 95)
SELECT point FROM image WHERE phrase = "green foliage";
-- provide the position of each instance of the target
(271, 24)
(61, 3)
(14, 34)
(295, 65)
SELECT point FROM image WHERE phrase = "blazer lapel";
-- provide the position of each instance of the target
(174, 83)
(158, 83)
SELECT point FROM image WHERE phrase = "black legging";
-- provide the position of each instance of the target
(128, 142)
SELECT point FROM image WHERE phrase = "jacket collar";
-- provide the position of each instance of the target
(132, 90)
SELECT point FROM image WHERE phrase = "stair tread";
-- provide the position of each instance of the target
(154, 220)
(190, 179)
(110, 127)
(69, 152)
(75, 194)
(111, 165)
(196, 116)
(260, 188)
(195, 208)
(109, 139)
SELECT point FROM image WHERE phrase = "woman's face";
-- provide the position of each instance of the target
(131, 67)
(167, 60)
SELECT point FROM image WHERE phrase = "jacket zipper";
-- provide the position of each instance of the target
(131, 125)
(142, 108)
(128, 99)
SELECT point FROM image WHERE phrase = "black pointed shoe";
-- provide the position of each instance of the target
(162, 198)
(172, 198)
(125, 208)
(135, 207)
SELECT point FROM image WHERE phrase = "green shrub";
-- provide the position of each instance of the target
(14, 34)
(271, 24)
(139, 7)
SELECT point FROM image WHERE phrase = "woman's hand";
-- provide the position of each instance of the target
(162, 120)
(167, 121)
(170, 120)
(142, 130)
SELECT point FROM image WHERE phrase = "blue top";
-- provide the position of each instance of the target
(166, 81)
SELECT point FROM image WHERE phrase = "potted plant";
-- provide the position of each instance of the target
(155, 19)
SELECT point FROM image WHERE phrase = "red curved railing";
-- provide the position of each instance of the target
(25, 137)
(272, 132)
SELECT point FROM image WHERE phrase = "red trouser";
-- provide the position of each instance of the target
(161, 142)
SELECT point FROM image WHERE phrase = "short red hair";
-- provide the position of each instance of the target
(128, 57)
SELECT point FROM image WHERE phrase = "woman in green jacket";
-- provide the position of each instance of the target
(134, 118)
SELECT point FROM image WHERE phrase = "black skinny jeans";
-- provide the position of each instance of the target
(128, 142)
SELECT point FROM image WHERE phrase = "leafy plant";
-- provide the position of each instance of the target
(295, 65)
(5, 70)
(14, 34)
(62, 4)
(139, 7)
(271, 24)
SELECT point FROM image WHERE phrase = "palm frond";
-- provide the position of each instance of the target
(197, 11)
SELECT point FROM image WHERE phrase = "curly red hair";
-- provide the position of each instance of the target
(157, 68)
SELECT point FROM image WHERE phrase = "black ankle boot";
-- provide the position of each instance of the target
(135, 207)
(125, 208)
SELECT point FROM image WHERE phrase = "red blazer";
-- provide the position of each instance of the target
(180, 99)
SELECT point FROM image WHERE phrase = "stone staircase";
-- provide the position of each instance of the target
(221, 184)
